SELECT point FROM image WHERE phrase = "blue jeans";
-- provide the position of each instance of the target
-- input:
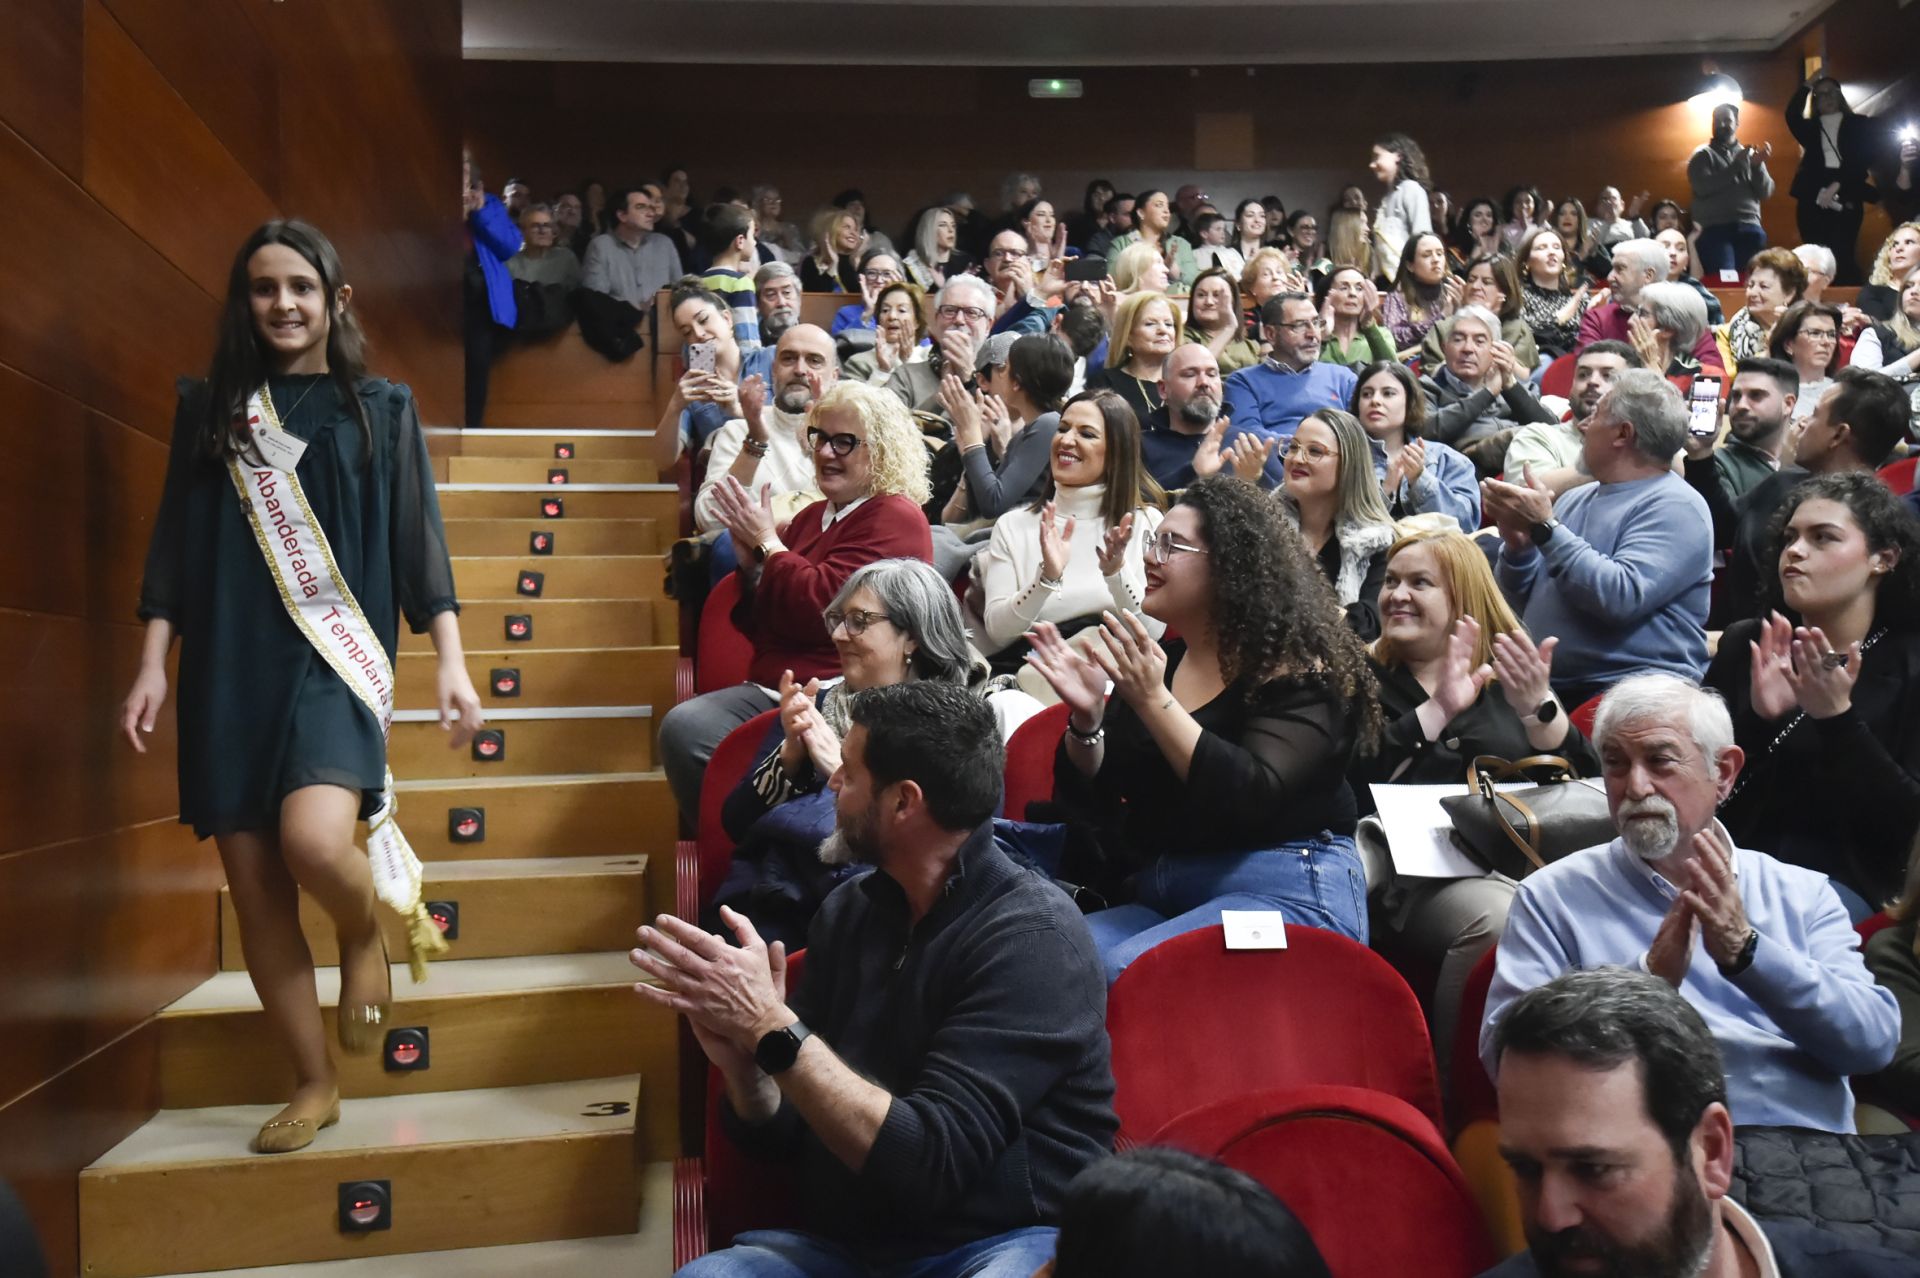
(1315, 883)
(1728, 247)
(783, 1253)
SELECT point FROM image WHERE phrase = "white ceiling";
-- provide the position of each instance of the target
(1063, 34)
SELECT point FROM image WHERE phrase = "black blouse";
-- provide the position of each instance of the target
(1839, 795)
(1363, 614)
(815, 280)
(1142, 397)
(1488, 726)
(1269, 768)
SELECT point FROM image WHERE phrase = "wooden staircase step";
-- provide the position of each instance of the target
(658, 502)
(504, 907)
(560, 623)
(571, 577)
(567, 537)
(646, 1254)
(536, 470)
(467, 1168)
(563, 739)
(549, 677)
(499, 1022)
(587, 444)
(547, 816)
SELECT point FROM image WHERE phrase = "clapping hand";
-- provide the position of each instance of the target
(1370, 302)
(752, 399)
(1524, 670)
(964, 411)
(1649, 341)
(1671, 953)
(996, 420)
(1079, 684)
(1460, 682)
(1130, 657)
(1772, 656)
(1207, 456)
(796, 704)
(1452, 289)
(1113, 546)
(1407, 466)
(747, 517)
(1056, 543)
(1821, 676)
(1714, 897)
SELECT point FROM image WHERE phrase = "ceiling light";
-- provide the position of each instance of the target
(1716, 89)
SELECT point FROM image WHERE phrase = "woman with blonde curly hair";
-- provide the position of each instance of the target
(1219, 765)
(870, 467)
(833, 266)
(1899, 254)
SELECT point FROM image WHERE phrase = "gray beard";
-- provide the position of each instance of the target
(1200, 412)
(835, 850)
(794, 398)
(776, 322)
(1646, 840)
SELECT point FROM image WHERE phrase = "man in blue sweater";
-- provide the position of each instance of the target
(1620, 570)
(1291, 384)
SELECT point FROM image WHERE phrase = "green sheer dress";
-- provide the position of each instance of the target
(261, 714)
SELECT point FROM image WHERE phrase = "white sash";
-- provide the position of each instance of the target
(321, 605)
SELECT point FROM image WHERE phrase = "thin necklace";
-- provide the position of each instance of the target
(317, 379)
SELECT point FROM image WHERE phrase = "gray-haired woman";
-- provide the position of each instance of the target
(895, 620)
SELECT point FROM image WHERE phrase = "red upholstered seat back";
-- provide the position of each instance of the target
(731, 759)
(1030, 752)
(1367, 1174)
(1582, 715)
(722, 650)
(1192, 1022)
(745, 1193)
(1558, 379)
(1899, 475)
(1473, 1096)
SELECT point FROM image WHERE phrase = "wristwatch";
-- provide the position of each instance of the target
(1744, 959)
(762, 551)
(778, 1049)
(1549, 711)
(1542, 532)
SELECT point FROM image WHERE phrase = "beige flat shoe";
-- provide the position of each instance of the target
(283, 1135)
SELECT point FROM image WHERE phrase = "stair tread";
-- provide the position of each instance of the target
(233, 991)
(646, 1254)
(534, 867)
(220, 1134)
(518, 782)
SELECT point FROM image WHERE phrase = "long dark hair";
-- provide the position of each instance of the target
(240, 361)
(1887, 525)
(1273, 610)
(1413, 161)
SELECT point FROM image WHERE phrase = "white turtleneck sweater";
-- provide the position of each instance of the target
(1008, 570)
(787, 467)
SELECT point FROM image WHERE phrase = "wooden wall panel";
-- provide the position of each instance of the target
(96, 934)
(191, 198)
(92, 308)
(40, 53)
(212, 55)
(78, 493)
(49, 1135)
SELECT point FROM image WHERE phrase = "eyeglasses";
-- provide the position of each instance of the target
(1315, 453)
(879, 277)
(1820, 334)
(1162, 547)
(972, 313)
(1300, 327)
(840, 444)
(855, 620)
(1007, 252)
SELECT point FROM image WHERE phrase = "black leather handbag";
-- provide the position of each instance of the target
(1515, 832)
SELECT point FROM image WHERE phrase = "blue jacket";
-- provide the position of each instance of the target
(495, 239)
(1449, 485)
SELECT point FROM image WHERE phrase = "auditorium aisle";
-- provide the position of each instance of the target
(522, 1118)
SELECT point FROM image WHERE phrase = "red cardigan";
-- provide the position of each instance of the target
(782, 613)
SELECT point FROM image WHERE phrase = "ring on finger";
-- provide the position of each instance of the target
(1833, 660)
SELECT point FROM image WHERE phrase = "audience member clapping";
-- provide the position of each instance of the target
(899, 334)
(1351, 332)
(1639, 264)
(1667, 327)
(1492, 282)
(1153, 1212)
(763, 447)
(1219, 765)
(1553, 453)
(1617, 570)
(870, 468)
(1030, 388)
(1762, 949)
(1524, 212)
(1550, 301)
(1477, 399)
(1417, 476)
(1153, 213)
(833, 265)
(1190, 438)
(1614, 222)
(1214, 320)
(1459, 677)
(1729, 181)
(1823, 690)
(962, 319)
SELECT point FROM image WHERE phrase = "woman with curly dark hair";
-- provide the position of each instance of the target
(1404, 211)
(1218, 770)
(1825, 691)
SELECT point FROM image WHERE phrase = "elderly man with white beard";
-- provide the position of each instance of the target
(1763, 950)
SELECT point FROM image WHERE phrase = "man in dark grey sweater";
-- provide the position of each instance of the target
(943, 1070)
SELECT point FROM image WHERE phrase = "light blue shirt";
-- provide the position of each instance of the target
(1623, 582)
(1791, 1028)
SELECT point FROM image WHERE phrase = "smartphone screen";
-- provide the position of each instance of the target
(700, 357)
(1703, 407)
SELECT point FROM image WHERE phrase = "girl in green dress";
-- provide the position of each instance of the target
(278, 758)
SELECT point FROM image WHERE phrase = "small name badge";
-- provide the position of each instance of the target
(1254, 929)
(281, 449)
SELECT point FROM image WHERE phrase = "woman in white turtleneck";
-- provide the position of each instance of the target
(1081, 549)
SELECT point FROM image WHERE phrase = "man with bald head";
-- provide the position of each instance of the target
(1187, 438)
(766, 444)
(1636, 264)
